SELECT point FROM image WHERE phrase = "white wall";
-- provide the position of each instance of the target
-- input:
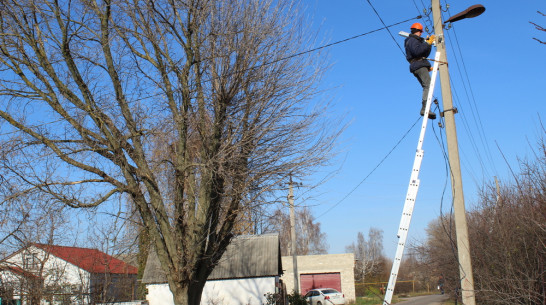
(342, 263)
(236, 291)
(11, 280)
(159, 294)
(242, 291)
(56, 270)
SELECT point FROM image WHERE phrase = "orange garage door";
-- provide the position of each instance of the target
(320, 280)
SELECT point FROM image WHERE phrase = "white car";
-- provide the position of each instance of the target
(325, 296)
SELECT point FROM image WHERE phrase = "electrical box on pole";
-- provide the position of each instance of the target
(412, 191)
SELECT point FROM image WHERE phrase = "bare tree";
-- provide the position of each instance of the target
(26, 219)
(309, 237)
(538, 27)
(190, 108)
(368, 254)
(508, 229)
(375, 244)
(359, 250)
(438, 255)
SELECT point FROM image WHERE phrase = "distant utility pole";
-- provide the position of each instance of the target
(463, 247)
(498, 190)
(293, 236)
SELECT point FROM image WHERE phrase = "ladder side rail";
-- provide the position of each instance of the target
(429, 100)
(413, 188)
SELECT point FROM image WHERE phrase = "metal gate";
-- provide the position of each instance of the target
(320, 280)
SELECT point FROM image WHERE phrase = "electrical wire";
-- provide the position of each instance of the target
(474, 110)
(439, 139)
(255, 67)
(448, 174)
(471, 98)
(426, 20)
(329, 45)
(382, 22)
(473, 143)
(467, 125)
(448, 231)
(372, 171)
(429, 10)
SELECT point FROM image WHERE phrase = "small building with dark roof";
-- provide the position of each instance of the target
(250, 268)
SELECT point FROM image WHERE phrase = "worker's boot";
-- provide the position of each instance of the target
(431, 115)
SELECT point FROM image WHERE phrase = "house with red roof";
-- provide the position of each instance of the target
(49, 274)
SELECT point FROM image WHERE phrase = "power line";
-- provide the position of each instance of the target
(472, 106)
(330, 44)
(475, 113)
(255, 67)
(426, 19)
(382, 22)
(472, 102)
(429, 10)
(372, 171)
(448, 173)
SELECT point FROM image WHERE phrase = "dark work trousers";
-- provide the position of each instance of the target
(423, 77)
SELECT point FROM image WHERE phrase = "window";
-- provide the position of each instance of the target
(325, 291)
(30, 261)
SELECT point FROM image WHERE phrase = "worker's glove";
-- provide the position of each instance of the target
(430, 39)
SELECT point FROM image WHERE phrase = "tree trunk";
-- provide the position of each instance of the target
(188, 295)
(180, 296)
(142, 258)
(195, 293)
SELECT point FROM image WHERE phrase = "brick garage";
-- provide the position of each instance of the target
(321, 271)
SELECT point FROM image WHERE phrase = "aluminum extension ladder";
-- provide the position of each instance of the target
(412, 191)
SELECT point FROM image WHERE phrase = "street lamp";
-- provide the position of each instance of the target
(471, 12)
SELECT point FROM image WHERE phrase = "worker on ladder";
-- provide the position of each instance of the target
(417, 51)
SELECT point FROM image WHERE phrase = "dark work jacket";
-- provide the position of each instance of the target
(417, 50)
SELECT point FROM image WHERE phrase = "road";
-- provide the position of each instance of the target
(435, 299)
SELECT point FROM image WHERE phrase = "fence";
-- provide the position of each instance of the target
(378, 288)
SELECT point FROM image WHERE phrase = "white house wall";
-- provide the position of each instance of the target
(159, 294)
(10, 280)
(241, 291)
(54, 268)
(8, 277)
(235, 291)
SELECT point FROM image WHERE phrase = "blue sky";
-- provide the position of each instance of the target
(499, 86)
(498, 83)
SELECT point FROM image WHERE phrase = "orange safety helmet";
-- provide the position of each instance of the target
(417, 26)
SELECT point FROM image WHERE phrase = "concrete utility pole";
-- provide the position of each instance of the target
(465, 265)
(498, 190)
(293, 236)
